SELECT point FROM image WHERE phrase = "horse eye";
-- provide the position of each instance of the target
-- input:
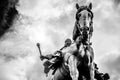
(89, 14)
(79, 15)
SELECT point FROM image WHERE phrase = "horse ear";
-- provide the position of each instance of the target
(77, 6)
(90, 6)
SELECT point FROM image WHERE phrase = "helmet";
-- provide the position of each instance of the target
(68, 42)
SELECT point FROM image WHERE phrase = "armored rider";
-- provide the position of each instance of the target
(54, 60)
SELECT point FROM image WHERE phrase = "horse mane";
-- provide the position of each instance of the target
(8, 12)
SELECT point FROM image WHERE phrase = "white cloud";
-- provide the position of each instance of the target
(47, 8)
(43, 22)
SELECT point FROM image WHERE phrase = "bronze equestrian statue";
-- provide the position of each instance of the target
(74, 61)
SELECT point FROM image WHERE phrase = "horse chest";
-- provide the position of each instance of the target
(82, 53)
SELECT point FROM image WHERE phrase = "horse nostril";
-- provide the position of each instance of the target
(84, 23)
(84, 18)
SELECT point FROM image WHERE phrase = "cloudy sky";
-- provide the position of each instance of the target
(50, 22)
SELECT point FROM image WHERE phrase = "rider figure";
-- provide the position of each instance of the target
(53, 60)
(57, 53)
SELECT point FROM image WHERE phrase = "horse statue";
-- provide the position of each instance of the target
(77, 59)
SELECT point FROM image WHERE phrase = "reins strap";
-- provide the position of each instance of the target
(78, 26)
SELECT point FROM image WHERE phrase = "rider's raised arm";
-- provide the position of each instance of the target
(42, 57)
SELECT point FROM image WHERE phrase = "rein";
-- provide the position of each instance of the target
(84, 8)
(77, 15)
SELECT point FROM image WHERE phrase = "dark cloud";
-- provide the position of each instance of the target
(116, 2)
(8, 13)
(8, 58)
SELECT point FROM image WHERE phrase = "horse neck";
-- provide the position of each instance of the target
(87, 54)
(82, 50)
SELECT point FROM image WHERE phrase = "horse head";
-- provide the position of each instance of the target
(84, 19)
(84, 15)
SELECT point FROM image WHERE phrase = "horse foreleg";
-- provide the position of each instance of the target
(72, 64)
(92, 71)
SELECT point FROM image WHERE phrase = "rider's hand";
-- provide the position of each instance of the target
(42, 58)
(38, 44)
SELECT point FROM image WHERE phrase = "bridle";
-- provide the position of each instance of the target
(84, 8)
(84, 29)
